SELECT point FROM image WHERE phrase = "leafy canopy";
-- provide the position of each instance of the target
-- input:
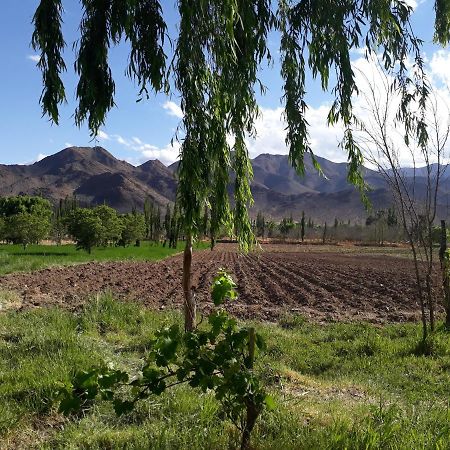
(85, 227)
(217, 55)
(24, 219)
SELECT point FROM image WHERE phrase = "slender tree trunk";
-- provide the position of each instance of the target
(443, 243)
(446, 288)
(252, 412)
(189, 302)
(445, 273)
(429, 279)
(430, 301)
(251, 417)
(420, 292)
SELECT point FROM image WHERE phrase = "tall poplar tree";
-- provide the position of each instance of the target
(217, 55)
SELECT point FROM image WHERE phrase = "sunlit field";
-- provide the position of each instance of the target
(13, 258)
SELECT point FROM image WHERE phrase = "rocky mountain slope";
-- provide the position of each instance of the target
(95, 176)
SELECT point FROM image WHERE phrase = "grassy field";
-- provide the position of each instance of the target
(337, 386)
(13, 258)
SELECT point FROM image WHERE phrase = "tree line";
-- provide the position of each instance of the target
(380, 226)
(28, 220)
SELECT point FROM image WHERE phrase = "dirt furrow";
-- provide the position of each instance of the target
(321, 285)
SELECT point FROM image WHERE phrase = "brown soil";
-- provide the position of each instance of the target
(322, 286)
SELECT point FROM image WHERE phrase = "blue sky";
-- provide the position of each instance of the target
(140, 131)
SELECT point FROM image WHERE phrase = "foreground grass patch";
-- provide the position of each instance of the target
(13, 258)
(337, 386)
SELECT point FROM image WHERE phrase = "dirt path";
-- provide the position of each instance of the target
(322, 286)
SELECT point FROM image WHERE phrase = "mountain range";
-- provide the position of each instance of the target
(95, 176)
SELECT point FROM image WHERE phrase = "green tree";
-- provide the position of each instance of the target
(2, 229)
(302, 225)
(260, 224)
(220, 48)
(156, 227)
(391, 218)
(381, 224)
(27, 228)
(148, 217)
(59, 225)
(167, 224)
(133, 228)
(286, 225)
(205, 222)
(10, 206)
(214, 225)
(175, 223)
(26, 219)
(271, 226)
(86, 228)
(111, 223)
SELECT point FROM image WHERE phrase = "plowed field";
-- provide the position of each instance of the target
(322, 286)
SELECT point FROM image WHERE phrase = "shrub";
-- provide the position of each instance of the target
(218, 358)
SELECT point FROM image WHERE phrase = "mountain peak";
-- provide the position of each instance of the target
(82, 157)
(152, 163)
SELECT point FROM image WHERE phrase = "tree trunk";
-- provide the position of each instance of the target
(446, 287)
(443, 243)
(252, 416)
(420, 292)
(189, 302)
(430, 301)
(445, 273)
(252, 412)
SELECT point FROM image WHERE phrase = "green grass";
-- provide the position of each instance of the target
(13, 258)
(337, 386)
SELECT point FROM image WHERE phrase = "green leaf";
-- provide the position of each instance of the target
(270, 403)
(69, 405)
(223, 288)
(122, 406)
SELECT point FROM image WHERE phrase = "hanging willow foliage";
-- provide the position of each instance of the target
(218, 53)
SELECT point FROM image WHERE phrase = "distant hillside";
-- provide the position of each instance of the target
(95, 176)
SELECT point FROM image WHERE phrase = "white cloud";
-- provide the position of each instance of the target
(34, 58)
(68, 144)
(34, 160)
(324, 140)
(167, 154)
(414, 3)
(368, 73)
(40, 156)
(103, 136)
(271, 134)
(440, 67)
(120, 140)
(173, 109)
